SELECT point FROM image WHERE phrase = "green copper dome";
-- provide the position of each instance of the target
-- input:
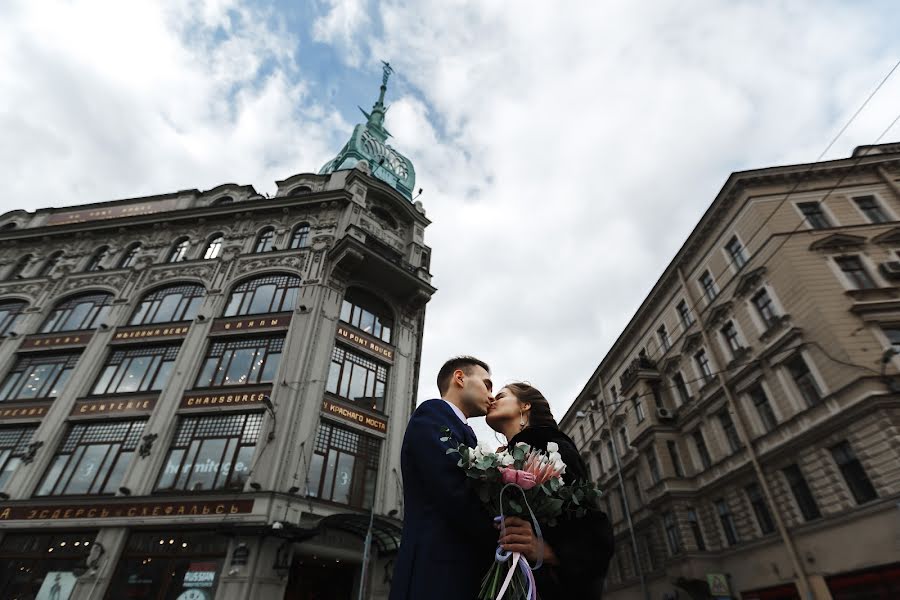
(369, 143)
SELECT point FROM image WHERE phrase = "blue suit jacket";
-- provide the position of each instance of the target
(448, 537)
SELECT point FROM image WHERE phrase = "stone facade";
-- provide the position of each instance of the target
(752, 401)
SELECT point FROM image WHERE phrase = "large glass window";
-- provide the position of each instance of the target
(763, 407)
(13, 445)
(211, 453)
(760, 508)
(814, 215)
(344, 466)
(300, 236)
(854, 474)
(129, 257)
(368, 313)
(10, 312)
(179, 250)
(139, 369)
(856, 272)
(97, 259)
(241, 362)
(92, 459)
(804, 380)
(266, 294)
(85, 311)
(36, 565)
(38, 376)
(51, 263)
(265, 241)
(357, 378)
(727, 521)
(214, 247)
(802, 494)
(168, 304)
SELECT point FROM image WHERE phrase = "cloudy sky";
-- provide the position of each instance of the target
(566, 149)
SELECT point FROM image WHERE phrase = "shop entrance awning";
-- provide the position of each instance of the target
(385, 533)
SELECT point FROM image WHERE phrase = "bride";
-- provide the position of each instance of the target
(576, 552)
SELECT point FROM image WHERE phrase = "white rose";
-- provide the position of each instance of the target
(552, 447)
(506, 459)
(522, 445)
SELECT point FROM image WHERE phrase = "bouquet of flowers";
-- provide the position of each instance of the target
(524, 482)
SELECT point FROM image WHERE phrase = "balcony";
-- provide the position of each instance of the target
(640, 368)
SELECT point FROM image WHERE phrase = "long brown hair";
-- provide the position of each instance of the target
(540, 414)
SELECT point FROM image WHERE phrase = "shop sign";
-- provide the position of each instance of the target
(58, 585)
(56, 340)
(112, 212)
(281, 321)
(233, 398)
(365, 342)
(354, 416)
(105, 407)
(150, 333)
(70, 512)
(24, 411)
(200, 575)
(718, 584)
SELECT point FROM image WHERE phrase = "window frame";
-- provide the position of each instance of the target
(860, 484)
(129, 255)
(673, 535)
(809, 379)
(708, 286)
(735, 263)
(300, 236)
(147, 309)
(287, 286)
(879, 207)
(732, 342)
(684, 317)
(18, 376)
(9, 317)
(14, 442)
(98, 257)
(759, 398)
(857, 278)
(264, 240)
(800, 490)
(118, 366)
(348, 362)
(827, 222)
(50, 263)
(68, 306)
(214, 245)
(761, 511)
(767, 312)
(18, 269)
(702, 448)
(220, 355)
(696, 529)
(681, 386)
(726, 520)
(703, 366)
(362, 309)
(663, 335)
(653, 465)
(729, 430)
(366, 464)
(179, 250)
(675, 457)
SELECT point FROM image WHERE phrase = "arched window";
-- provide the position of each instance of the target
(266, 294)
(51, 263)
(168, 304)
(129, 257)
(369, 313)
(265, 240)
(9, 314)
(10, 225)
(17, 271)
(300, 190)
(96, 262)
(179, 250)
(223, 200)
(300, 236)
(214, 247)
(85, 311)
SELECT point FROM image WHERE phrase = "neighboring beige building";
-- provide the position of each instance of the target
(202, 394)
(753, 400)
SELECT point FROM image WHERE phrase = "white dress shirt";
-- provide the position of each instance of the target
(458, 412)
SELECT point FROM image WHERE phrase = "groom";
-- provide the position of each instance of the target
(448, 538)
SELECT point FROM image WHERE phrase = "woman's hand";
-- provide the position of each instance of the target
(519, 537)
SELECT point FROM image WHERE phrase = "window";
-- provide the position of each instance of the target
(681, 387)
(50, 263)
(854, 474)
(653, 465)
(684, 313)
(709, 286)
(802, 494)
(814, 215)
(129, 257)
(138, 369)
(675, 458)
(344, 466)
(600, 463)
(265, 240)
(703, 366)
(211, 453)
(368, 313)
(300, 236)
(870, 207)
(623, 437)
(92, 459)
(638, 408)
(241, 362)
(892, 333)
(179, 250)
(636, 491)
(730, 334)
(611, 451)
(673, 536)
(694, 522)
(623, 502)
(213, 247)
(702, 450)
(804, 380)
(222, 201)
(664, 340)
(85, 311)
(765, 307)
(97, 259)
(10, 312)
(727, 521)
(13, 445)
(855, 272)
(760, 509)
(763, 407)
(266, 294)
(300, 190)
(38, 376)
(169, 304)
(734, 442)
(357, 378)
(736, 252)
(18, 269)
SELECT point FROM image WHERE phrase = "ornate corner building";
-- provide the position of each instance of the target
(203, 394)
(746, 423)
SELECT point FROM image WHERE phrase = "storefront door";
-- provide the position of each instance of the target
(39, 566)
(321, 579)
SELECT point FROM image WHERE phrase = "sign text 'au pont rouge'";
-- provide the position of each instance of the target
(112, 212)
(365, 342)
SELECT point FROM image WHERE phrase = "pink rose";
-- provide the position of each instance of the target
(523, 479)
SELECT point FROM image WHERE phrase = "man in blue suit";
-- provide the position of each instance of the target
(448, 537)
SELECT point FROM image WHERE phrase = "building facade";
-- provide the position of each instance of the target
(204, 393)
(746, 423)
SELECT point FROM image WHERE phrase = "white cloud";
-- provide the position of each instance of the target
(341, 25)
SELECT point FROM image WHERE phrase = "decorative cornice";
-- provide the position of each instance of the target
(837, 242)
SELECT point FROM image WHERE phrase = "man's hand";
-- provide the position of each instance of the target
(519, 537)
